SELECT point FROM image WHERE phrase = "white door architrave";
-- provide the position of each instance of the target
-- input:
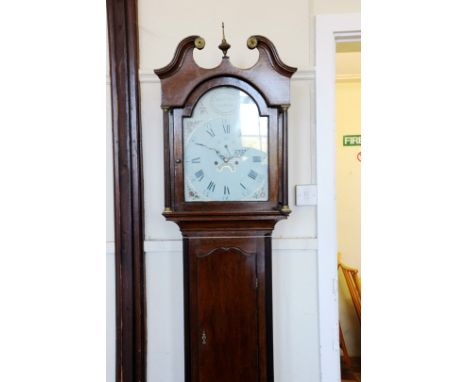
(329, 30)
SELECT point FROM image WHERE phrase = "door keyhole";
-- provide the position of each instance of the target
(203, 338)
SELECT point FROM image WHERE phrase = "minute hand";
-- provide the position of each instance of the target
(211, 148)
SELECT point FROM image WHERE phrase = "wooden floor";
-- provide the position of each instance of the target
(351, 373)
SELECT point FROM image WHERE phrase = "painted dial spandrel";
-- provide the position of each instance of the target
(226, 148)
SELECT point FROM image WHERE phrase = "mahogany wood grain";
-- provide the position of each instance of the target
(270, 75)
(128, 192)
(226, 321)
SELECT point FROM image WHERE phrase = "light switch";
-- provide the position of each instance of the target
(306, 195)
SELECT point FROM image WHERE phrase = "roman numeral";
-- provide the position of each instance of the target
(226, 127)
(199, 175)
(257, 158)
(252, 175)
(243, 186)
(226, 190)
(210, 132)
(196, 160)
(211, 187)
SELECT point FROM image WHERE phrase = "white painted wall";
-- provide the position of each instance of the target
(110, 316)
(290, 26)
(321, 7)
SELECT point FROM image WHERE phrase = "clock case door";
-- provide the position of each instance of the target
(228, 312)
(274, 142)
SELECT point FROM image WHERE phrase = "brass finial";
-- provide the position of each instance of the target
(252, 42)
(199, 43)
(224, 46)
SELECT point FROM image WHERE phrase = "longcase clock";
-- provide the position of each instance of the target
(226, 186)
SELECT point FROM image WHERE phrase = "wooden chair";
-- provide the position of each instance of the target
(353, 282)
(343, 348)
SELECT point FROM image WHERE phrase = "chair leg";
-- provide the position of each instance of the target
(343, 347)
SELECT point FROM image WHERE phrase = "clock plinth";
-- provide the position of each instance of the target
(225, 169)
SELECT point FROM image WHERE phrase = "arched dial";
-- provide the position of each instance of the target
(226, 148)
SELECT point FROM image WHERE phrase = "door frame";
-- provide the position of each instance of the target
(329, 29)
(122, 27)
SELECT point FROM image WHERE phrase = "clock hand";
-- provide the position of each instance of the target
(229, 152)
(211, 148)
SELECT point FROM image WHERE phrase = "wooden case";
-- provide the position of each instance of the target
(227, 245)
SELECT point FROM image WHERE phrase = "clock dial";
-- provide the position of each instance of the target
(226, 148)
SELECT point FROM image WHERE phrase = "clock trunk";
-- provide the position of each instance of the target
(227, 321)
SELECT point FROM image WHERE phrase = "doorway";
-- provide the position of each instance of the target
(348, 200)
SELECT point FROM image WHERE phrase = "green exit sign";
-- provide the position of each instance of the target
(352, 140)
